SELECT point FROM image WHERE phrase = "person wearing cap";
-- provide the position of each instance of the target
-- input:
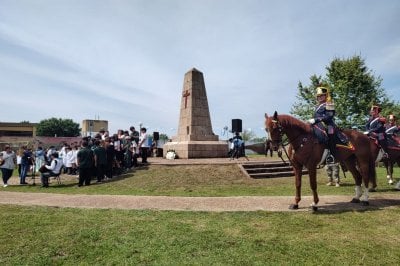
(8, 159)
(324, 120)
(375, 127)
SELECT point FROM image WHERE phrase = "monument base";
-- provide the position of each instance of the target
(197, 149)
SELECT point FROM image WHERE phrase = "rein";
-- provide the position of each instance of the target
(281, 144)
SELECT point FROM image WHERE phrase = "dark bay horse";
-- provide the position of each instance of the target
(308, 152)
(394, 157)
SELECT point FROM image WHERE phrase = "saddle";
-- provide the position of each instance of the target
(393, 142)
(322, 136)
(341, 138)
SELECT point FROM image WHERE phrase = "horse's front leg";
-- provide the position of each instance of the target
(297, 177)
(312, 172)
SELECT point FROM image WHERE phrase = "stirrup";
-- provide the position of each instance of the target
(330, 159)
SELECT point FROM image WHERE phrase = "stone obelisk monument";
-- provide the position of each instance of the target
(195, 138)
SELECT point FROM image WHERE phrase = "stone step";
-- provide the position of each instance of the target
(274, 174)
(269, 169)
(266, 164)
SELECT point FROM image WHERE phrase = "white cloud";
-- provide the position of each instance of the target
(131, 56)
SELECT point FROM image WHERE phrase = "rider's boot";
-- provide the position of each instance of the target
(332, 150)
(384, 147)
(330, 159)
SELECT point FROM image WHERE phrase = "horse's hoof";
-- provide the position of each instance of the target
(364, 203)
(372, 189)
(293, 207)
(314, 208)
(354, 200)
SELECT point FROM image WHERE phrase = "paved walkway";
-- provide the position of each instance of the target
(217, 204)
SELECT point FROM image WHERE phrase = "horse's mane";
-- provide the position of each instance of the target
(291, 122)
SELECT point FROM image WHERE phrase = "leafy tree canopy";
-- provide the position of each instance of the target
(354, 88)
(163, 136)
(248, 135)
(58, 127)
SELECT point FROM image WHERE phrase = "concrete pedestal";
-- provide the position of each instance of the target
(197, 149)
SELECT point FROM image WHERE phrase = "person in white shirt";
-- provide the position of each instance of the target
(63, 155)
(69, 160)
(54, 169)
(50, 151)
(143, 144)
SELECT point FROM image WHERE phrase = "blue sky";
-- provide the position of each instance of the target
(124, 61)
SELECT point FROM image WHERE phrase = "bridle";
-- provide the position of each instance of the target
(280, 143)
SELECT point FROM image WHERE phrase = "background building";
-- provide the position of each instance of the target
(18, 129)
(92, 127)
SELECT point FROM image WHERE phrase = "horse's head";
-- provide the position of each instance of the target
(274, 129)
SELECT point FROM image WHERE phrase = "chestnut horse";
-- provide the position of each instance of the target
(308, 153)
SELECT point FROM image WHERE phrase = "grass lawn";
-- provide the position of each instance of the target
(44, 236)
(65, 236)
(204, 180)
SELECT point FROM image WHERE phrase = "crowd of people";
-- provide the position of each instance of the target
(101, 157)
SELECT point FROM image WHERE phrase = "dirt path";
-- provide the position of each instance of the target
(215, 204)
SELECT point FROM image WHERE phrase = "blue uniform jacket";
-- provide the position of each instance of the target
(323, 116)
(375, 125)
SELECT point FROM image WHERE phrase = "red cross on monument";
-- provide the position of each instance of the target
(186, 94)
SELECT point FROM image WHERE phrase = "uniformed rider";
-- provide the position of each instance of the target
(392, 129)
(324, 119)
(376, 127)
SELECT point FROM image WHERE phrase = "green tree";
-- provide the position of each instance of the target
(354, 88)
(164, 136)
(305, 99)
(58, 127)
(248, 135)
(259, 139)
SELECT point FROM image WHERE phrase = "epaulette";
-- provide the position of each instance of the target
(330, 106)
